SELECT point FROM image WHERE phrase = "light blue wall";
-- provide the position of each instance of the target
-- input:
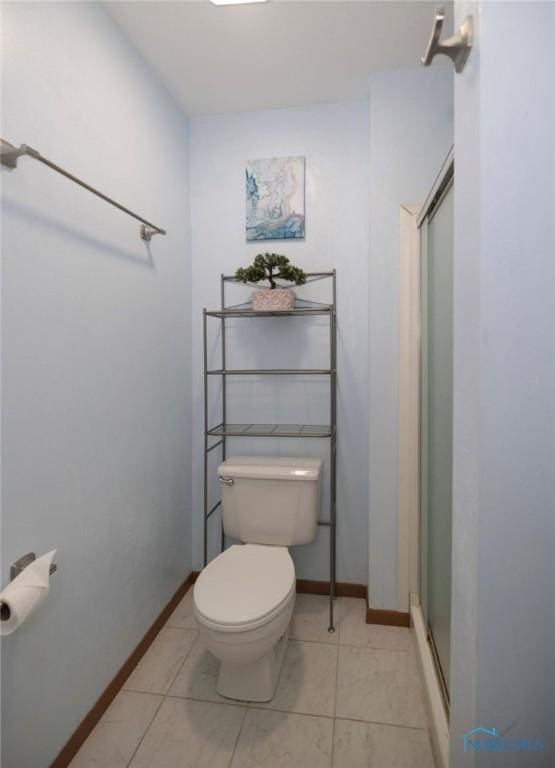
(96, 354)
(334, 139)
(503, 613)
(411, 131)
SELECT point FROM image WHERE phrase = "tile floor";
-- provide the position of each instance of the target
(352, 699)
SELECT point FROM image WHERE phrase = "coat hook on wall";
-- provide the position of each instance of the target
(457, 47)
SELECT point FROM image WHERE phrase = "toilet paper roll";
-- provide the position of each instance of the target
(25, 593)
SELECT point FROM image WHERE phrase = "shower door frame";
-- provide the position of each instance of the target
(409, 582)
(409, 416)
(443, 185)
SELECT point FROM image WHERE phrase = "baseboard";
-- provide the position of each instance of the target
(439, 725)
(342, 588)
(106, 697)
(391, 618)
(310, 587)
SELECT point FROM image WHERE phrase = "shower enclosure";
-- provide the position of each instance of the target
(436, 417)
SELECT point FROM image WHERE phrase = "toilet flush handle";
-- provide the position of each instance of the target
(225, 480)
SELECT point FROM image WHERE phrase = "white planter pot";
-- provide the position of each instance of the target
(273, 299)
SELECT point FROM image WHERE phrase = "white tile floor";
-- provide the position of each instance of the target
(352, 699)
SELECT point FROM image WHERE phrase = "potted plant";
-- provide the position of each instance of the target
(271, 267)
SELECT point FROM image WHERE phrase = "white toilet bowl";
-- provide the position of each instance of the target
(243, 602)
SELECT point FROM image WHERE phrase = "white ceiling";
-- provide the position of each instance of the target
(275, 54)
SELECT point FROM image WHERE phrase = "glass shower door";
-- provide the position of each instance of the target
(436, 424)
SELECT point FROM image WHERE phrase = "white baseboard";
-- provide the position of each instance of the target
(439, 726)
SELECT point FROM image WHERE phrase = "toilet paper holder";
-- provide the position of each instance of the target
(25, 561)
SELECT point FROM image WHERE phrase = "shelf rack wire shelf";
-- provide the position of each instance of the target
(224, 430)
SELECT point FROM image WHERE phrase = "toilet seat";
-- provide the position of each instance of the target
(244, 587)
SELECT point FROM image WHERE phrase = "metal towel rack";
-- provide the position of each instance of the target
(9, 155)
(457, 47)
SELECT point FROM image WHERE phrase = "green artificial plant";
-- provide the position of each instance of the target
(271, 267)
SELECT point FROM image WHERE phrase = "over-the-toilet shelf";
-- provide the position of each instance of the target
(224, 430)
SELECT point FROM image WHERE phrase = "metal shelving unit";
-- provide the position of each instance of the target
(223, 430)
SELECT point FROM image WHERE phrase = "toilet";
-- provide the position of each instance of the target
(244, 598)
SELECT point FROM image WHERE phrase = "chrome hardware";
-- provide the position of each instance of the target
(147, 232)
(225, 480)
(457, 47)
(24, 562)
(10, 154)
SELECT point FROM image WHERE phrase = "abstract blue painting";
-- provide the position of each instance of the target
(275, 198)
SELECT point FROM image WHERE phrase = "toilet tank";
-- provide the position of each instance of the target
(269, 500)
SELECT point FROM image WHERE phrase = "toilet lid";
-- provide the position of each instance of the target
(244, 584)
